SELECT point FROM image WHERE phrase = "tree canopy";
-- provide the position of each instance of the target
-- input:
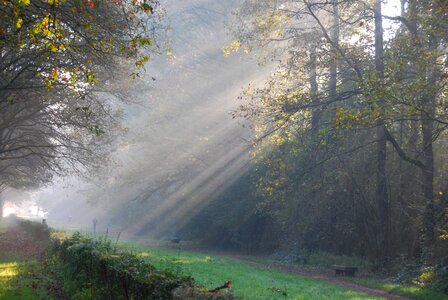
(57, 60)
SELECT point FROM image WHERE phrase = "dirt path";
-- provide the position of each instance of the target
(316, 275)
(20, 245)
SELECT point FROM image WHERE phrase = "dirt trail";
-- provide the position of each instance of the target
(20, 245)
(316, 275)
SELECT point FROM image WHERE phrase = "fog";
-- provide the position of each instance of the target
(182, 147)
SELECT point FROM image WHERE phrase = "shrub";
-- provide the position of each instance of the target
(434, 278)
(38, 231)
(93, 268)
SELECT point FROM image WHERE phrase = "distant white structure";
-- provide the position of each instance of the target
(21, 204)
(26, 209)
(8, 209)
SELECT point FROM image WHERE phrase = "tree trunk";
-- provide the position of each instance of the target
(313, 93)
(333, 80)
(381, 149)
(428, 153)
(410, 182)
(428, 180)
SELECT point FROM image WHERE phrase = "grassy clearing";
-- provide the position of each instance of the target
(249, 282)
(22, 278)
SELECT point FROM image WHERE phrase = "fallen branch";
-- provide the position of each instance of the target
(226, 285)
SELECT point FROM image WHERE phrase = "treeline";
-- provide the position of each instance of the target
(351, 129)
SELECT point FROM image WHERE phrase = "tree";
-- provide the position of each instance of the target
(56, 61)
(381, 188)
(425, 82)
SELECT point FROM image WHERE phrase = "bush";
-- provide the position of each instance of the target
(38, 231)
(434, 278)
(95, 269)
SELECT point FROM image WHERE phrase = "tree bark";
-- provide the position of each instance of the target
(313, 93)
(427, 143)
(333, 80)
(428, 181)
(381, 149)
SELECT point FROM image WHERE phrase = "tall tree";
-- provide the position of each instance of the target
(381, 189)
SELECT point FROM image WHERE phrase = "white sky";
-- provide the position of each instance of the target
(390, 8)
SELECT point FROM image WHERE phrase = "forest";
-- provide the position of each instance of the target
(311, 132)
(350, 127)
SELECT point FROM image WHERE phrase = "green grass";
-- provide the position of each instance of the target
(321, 262)
(22, 281)
(249, 282)
(413, 291)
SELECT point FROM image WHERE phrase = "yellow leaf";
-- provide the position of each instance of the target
(19, 23)
(54, 2)
(54, 73)
(45, 21)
